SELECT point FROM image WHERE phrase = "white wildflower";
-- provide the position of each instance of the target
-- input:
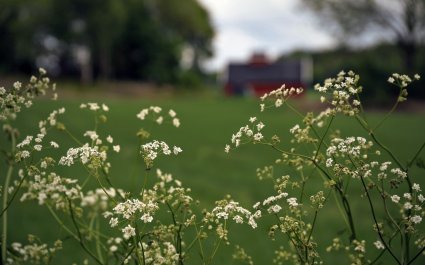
(146, 218)
(113, 222)
(278, 102)
(329, 162)
(38, 147)
(395, 198)
(260, 126)
(177, 150)
(113, 248)
(407, 206)
(172, 113)
(258, 137)
(128, 231)
(416, 219)
(378, 244)
(176, 122)
(292, 202)
(274, 209)
(416, 187)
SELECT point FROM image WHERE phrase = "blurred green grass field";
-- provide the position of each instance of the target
(206, 126)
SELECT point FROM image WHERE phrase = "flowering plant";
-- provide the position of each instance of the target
(158, 223)
(345, 164)
(319, 170)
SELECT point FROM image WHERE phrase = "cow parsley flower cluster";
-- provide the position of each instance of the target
(160, 253)
(35, 144)
(130, 211)
(169, 190)
(35, 252)
(91, 156)
(301, 135)
(155, 113)
(100, 199)
(279, 96)
(14, 99)
(402, 81)
(354, 147)
(341, 93)
(96, 140)
(52, 189)
(150, 151)
(229, 210)
(94, 106)
(248, 133)
(411, 206)
(134, 208)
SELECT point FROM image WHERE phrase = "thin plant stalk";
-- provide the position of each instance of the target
(5, 201)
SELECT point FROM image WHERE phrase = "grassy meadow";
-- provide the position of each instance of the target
(206, 126)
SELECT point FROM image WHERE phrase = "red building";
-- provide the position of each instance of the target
(259, 75)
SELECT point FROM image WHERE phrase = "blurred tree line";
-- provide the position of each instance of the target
(160, 41)
(398, 24)
(374, 65)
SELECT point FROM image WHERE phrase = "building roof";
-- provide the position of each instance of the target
(288, 71)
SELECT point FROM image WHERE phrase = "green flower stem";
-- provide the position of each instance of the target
(384, 201)
(104, 189)
(137, 240)
(291, 239)
(302, 116)
(361, 107)
(128, 255)
(303, 183)
(345, 203)
(62, 225)
(178, 243)
(98, 243)
(375, 139)
(390, 112)
(416, 256)
(387, 150)
(80, 237)
(341, 193)
(416, 155)
(97, 177)
(217, 245)
(312, 226)
(378, 257)
(387, 247)
(5, 201)
(323, 137)
(196, 239)
(13, 195)
(73, 137)
(201, 248)
(294, 109)
(143, 249)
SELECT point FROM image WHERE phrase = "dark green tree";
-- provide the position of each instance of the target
(139, 39)
(195, 29)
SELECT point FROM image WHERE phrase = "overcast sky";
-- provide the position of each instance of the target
(271, 26)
